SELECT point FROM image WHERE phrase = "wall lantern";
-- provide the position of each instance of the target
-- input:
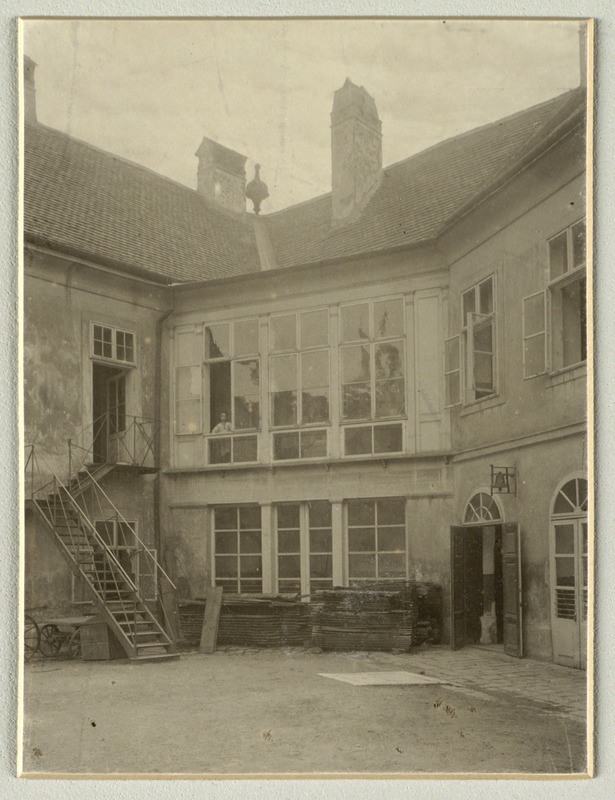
(503, 480)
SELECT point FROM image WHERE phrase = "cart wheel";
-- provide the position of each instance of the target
(31, 637)
(74, 645)
(51, 640)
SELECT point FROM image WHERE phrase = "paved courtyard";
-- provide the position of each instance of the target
(257, 712)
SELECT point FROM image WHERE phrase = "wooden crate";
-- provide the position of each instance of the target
(98, 642)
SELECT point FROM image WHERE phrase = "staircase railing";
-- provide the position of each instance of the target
(129, 440)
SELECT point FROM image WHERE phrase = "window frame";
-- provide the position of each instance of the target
(350, 580)
(468, 326)
(544, 332)
(305, 551)
(113, 359)
(237, 553)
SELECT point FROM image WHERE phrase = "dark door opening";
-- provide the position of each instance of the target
(108, 409)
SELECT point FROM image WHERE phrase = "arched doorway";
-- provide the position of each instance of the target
(485, 577)
(568, 545)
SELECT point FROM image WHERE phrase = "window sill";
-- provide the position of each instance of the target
(481, 405)
(573, 373)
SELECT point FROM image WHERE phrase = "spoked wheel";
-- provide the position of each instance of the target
(31, 637)
(74, 644)
(51, 640)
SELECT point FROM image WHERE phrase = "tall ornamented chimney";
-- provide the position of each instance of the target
(356, 151)
(29, 89)
(221, 176)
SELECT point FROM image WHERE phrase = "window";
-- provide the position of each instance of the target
(481, 508)
(304, 547)
(299, 379)
(534, 335)
(569, 550)
(567, 292)
(113, 344)
(478, 335)
(376, 540)
(188, 379)
(372, 364)
(452, 371)
(238, 549)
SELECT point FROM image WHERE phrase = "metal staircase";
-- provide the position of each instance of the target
(68, 509)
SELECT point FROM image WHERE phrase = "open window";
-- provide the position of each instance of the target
(479, 338)
(568, 296)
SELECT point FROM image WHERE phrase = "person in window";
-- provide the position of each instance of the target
(221, 450)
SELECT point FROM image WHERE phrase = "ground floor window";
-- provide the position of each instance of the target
(376, 540)
(304, 542)
(238, 549)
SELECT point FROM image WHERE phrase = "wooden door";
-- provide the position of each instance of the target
(511, 569)
(458, 619)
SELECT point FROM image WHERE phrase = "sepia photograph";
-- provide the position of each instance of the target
(306, 360)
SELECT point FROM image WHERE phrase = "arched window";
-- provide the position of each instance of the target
(482, 508)
(571, 498)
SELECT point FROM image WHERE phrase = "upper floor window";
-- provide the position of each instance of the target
(113, 344)
(478, 333)
(232, 375)
(372, 356)
(567, 288)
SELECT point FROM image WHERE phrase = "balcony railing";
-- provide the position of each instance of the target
(232, 448)
(131, 440)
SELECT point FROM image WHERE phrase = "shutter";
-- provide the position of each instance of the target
(534, 335)
(511, 564)
(458, 620)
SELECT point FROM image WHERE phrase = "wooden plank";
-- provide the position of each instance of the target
(209, 634)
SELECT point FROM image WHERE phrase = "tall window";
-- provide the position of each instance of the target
(372, 363)
(567, 288)
(478, 335)
(113, 344)
(304, 547)
(376, 540)
(188, 379)
(299, 382)
(238, 549)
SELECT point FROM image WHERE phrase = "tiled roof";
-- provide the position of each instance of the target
(86, 201)
(419, 195)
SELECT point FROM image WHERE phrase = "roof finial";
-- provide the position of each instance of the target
(256, 190)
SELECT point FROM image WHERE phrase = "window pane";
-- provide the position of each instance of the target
(225, 518)
(249, 542)
(388, 318)
(106, 531)
(250, 567)
(124, 346)
(314, 328)
(250, 518)
(453, 388)
(361, 540)
(483, 338)
(315, 406)
(284, 408)
(362, 566)
(217, 341)
(226, 542)
(188, 383)
(187, 416)
(392, 539)
(320, 514)
(220, 394)
(246, 401)
(226, 566)
(288, 515)
(315, 369)
(564, 571)
(284, 333)
(289, 566)
(246, 337)
(574, 323)
(284, 373)
(290, 586)
(220, 450)
(356, 401)
(245, 449)
(485, 296)
(251, 586)
(361, 512)
(388, 439)
(534, 314)
(357, 441)
(285, 446)
(564, 539)
(392, 511)
(578, 244)
(355, 322)
(558, 255)
(451, 354)
(355, 364)
(320, 541)
(321, 566)
(313, 444)
(390, 360)
(390, 399)
(392, 565)
(535, 355)
(288, 542)
(188, 347)
(469, 303)
(483, 372)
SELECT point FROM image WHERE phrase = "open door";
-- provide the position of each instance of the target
(511, 564)
(458, 619)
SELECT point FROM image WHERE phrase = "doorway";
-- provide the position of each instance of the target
(108, 412)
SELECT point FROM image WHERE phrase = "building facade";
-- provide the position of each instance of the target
(385, 383)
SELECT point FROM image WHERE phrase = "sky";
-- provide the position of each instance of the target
(149, 91)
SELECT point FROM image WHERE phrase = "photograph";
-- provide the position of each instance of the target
(306, 376)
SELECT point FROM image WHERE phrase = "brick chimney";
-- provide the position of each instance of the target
(29, 89)
(221, 176)
(356, 151)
